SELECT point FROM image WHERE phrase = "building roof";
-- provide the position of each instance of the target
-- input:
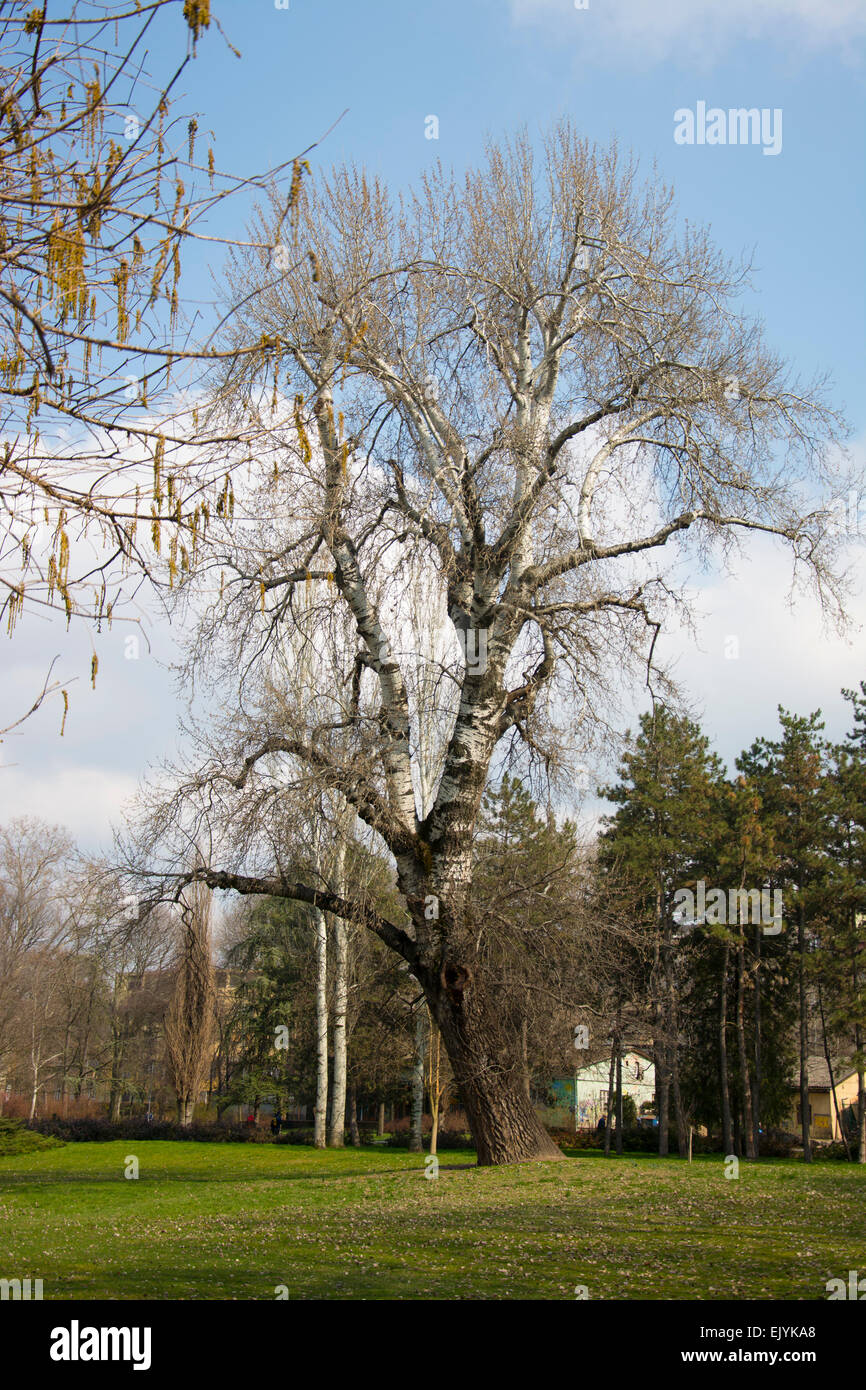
(818, 1073)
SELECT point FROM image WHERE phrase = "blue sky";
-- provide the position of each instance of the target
(481, 69)
(619, 67)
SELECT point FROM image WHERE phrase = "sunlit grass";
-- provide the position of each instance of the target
(222, 1221)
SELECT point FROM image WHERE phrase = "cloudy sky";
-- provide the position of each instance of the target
(616, 67)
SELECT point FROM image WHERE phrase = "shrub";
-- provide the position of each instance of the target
(101, 1130)
(835, 1150)
(776, 1143)
(636, 1140)
(295, 1136)
(447, 1139)
(16, 1138)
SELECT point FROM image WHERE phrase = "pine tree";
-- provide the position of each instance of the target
(669, 816)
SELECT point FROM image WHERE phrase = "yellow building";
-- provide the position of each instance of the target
(823, 1118)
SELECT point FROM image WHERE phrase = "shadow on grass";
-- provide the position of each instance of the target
(256, 1285)
(161, 1175)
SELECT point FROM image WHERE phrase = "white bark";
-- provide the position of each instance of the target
(337, 1126)
(321, 1109)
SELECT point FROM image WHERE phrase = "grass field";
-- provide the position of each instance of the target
(234, 1221)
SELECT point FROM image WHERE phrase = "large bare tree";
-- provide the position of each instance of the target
(515, 400)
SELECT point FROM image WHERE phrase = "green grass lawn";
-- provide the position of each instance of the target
(234, 1221)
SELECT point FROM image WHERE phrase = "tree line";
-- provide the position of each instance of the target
(716, 922)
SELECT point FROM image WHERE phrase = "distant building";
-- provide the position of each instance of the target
(823, 1122)
(580, 1100)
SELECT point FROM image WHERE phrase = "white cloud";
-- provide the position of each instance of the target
(752, 651)
(85, 800)
(695, 30)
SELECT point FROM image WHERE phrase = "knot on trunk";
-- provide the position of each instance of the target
(455, 979)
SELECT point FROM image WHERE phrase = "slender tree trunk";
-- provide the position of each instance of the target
(380, 1119)
(115, 1093)
(745, 1076)
(861, 1117)
(619, 1094)
(727, 1132)
(861, 1098)
(673, 1047)
(828, 1059)
(341, 995)
(434, 1087)
(804, 1034)
(34, 1062)
(416, 1130)
(679, 1109)
(354, 1131)
(861, 1075)
(663, 1091)
(611, 1089)
(64, 1075)
(757, 1077)
(320, 1113)
(661, 1028)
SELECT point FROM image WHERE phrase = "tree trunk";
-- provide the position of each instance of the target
(861, 1098)
(673, 1045)
(416, 1131)
(745, 1074)
(434, 1088)
(354, 1132)
(804, 1035)
(727, 1132)
(185, 1110)
(504, 1125)
(380, 1122)
(861, 1075)
(320, 1112)
(660, 1025)
(611, 1084)
(663, 1092)
(828, 1059)
(619, 1095)
(115, 1093)
(337, 1129)
(757, 1073)
(679, 1109)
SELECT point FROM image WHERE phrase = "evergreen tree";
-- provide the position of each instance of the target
(668, 819)
(791, 774)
